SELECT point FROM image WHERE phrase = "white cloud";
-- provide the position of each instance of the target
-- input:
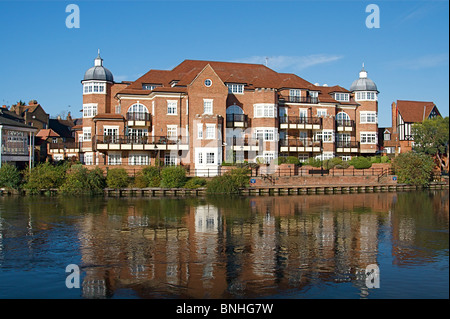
(291, 63)
(423, 62)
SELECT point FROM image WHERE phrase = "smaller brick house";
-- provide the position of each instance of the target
(398, 138)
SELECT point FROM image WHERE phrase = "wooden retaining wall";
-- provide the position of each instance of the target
(252, 191)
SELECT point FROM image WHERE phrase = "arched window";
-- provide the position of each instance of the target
(342, 118)
(137, 112)
(235, 109)
(235, 114)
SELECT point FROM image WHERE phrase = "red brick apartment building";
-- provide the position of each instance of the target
(203, 113)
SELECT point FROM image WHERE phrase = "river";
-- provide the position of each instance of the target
(299, 247)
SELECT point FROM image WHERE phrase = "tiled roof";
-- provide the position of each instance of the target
(47, 133)
(414, 111)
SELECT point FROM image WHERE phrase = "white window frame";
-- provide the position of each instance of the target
(138, 159)
(366, 96)
(172, 107)
(200, 131)
(173, 129)
(322, 112)
(87, 134)
(170, 160)
(368, 117)
(210, 158)
(235, 88)
(265, 133)
(267, 156)
(264, 110)
(303, 113)
(368, 138)
(90, 110)
(208, 106)
(210, 132)
(344, 97)
(295, 93)
(303, 157)
(88, 159)
(114, 159)
(326, 136)
(94, 87)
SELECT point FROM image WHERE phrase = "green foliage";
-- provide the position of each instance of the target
(360, 162)
(195, 182)
(432, 137)
(342, 165)
(173, 177)
(314, 162)
(76, 181)
(385, 159)
(247, 165)
(10, 176)
(45, 176)
(230, 182)
(288, 160)
(331, 163)
(117, 178)
(414, 168)
(96, 180)
(148, 177)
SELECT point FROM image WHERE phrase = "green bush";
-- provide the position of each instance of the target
(76, 181)
(385, 159)
(173, 177)
(414, 168)
(314, 162)
(360, 162)
(343, 165)
(148, 177)
(195, 182)
(45, 176)
(117, 178)
(331, 163)
(96, 180)
(230, 182)
(10, 176)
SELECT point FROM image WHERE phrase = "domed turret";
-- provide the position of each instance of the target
(98, 72)
(363, 83)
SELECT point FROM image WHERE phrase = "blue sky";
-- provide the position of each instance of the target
(320, 41)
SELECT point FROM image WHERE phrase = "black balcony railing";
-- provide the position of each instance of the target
(299, 99)
(304, 142)
(63, 145)
(138, 116)
(345, 123)
(300, 120)
(232, 119)
(347, 144)
(132, 139)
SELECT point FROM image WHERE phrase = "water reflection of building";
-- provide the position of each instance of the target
(210, 251)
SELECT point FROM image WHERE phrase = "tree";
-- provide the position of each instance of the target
(431, 137)
(414, 168)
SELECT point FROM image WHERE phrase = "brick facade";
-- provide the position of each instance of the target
(246, 112)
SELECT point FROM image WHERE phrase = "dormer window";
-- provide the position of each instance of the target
(235, 88)
(344, 97)
(148, 86)
(314, 94)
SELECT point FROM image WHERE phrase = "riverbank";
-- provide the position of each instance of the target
(250, 191)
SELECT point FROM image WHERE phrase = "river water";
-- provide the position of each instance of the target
(311, 246)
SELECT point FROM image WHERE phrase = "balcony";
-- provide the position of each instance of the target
(237, 120)
(65, 147)
(142, 143)
(298, 99)
(300, 145)
(300, 123)
(246, 144)
(347, 147)
(139, 119)
(345, 125)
